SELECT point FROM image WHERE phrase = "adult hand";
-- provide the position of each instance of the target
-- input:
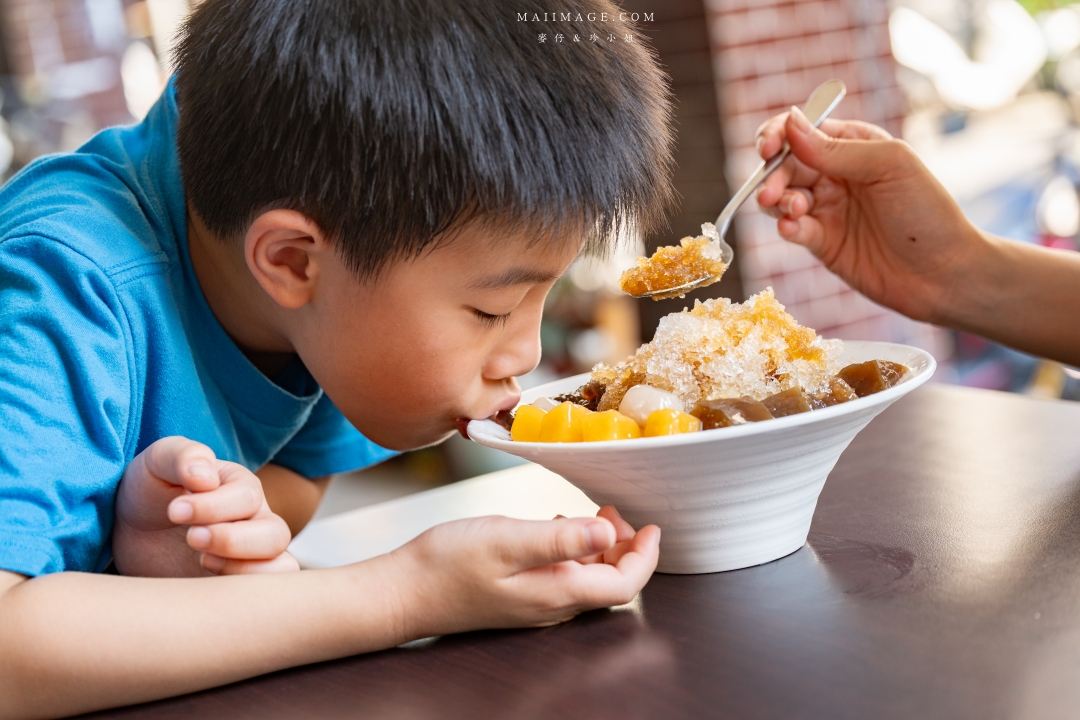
(866, 206)
(181, 512)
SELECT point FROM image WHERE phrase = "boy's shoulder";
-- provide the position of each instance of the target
(114, 202)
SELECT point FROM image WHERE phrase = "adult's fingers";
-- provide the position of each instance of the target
(796, 171)
(261, 538)
(806, 231)
(770, 136)
(224, 566)
(527, 543)
(857, 155)
(179, 461)
(791, 174)
(795, 202)
(853, 130)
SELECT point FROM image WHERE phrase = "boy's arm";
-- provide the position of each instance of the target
(291, 496)
(75, 642)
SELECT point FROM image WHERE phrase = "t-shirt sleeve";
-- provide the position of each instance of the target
(328, 444)
(65, 394)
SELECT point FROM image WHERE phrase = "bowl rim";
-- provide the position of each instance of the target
(486, 432)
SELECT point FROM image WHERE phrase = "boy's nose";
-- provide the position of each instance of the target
(515, 358)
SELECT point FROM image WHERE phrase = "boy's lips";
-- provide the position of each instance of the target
(462, 423)
(463, 426)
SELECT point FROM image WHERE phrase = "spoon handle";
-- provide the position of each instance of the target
(822, 101)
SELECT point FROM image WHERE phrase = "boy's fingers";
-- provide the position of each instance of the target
(612, 556)
(223, 566)
(639, 561)
(183, 462)
(231, 473)
(604, 585)
(623, 529)
(531, 543)
(228, 503)
(262, 538)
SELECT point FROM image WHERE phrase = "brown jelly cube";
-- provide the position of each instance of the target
(729, 411)
(838, 392)
(587, 396)
(788, 402)
(504, 418)
(872, 376)
(593, 392)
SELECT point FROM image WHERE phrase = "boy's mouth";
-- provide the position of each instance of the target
(462, 426)
(462, 423)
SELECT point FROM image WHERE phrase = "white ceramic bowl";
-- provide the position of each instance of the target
(726, 498)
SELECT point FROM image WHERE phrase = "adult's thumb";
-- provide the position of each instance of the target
(850, 159)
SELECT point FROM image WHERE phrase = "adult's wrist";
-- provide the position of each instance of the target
(971, 289)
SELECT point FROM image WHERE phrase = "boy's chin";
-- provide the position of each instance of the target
(414, 442)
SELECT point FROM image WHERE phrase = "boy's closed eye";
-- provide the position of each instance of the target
(507, 290)
(490, 320)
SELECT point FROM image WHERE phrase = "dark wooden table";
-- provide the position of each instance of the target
(941, 579)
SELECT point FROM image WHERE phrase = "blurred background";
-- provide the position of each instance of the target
(986, 91)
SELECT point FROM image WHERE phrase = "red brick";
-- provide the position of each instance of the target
(798, 258)
(808, 15)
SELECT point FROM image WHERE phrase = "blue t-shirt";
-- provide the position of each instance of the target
(107, 344)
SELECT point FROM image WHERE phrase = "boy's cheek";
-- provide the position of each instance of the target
(401, 375)
(405, 404)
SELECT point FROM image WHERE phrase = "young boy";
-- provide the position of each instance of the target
(332, 235)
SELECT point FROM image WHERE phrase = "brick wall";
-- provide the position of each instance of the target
(769, 55)
(54, 54)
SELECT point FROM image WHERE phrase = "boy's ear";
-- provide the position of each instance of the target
(284, 249)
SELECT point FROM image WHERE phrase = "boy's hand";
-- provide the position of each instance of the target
(181, 512)
(868, 208)
(496, 572)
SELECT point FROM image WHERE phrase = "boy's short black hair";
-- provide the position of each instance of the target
(390, 122)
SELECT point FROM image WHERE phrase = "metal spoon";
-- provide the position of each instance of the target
(822, 102)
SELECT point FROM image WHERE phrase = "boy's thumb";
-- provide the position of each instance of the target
(542, 543)
(858, 160)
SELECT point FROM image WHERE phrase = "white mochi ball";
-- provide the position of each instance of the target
(641, 400)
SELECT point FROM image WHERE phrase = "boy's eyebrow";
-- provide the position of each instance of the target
(513, 276)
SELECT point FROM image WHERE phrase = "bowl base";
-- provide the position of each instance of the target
(722, 560)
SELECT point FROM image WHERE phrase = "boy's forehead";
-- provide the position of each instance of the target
(504, 258)
(492, 279)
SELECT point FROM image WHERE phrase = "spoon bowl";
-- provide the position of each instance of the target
(821, 102)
